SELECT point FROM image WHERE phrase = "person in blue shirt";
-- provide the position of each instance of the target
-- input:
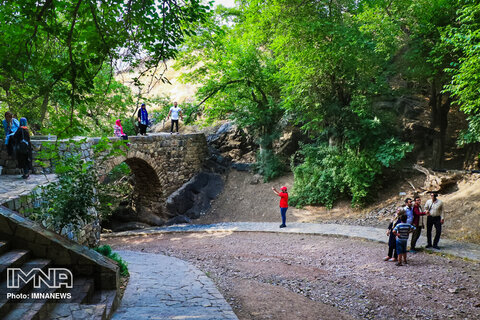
(143, 119)
(10, 126)
(409, 210)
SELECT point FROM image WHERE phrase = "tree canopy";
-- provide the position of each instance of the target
(59, 57)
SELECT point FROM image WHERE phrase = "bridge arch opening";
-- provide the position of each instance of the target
(144, 203)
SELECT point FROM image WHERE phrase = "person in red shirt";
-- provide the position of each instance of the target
(283, 204)
(417, 222)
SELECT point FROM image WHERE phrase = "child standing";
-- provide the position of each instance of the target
(283, 204)
(402, 230)
(392, 255)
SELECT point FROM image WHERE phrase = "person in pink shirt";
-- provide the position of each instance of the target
(283, 204)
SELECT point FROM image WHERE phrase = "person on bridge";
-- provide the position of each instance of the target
(118, 130)
(175, 112)
(23, 148)
(10, 126)
(283, 204)
(143, 119)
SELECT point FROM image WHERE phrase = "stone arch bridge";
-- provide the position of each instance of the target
(161, 163)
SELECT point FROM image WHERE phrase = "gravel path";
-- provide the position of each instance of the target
(451, 247)
(302, 276)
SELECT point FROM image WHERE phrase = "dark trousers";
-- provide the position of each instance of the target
(392, 250)
(10, 147)
(283, 212)
(174, 122)
(415, 236)
(434, 221)
(143, 128)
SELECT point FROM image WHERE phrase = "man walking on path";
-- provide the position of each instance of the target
(283, 204)
(418, 222)
(175, 112)
(434, 210)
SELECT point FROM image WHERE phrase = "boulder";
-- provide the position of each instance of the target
(193, 198)
(178, 220)
(125, 226)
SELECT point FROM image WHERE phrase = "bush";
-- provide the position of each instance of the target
(72, 200)
(327, 173)
(269, 165)
(106, 250)
(69, 200)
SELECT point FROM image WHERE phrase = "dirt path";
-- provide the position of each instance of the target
(288, 276)
(282, 276)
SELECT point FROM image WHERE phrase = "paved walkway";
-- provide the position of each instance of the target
(13, 186)
(455, 248)
(162, 287)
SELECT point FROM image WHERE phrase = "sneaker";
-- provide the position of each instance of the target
(282, 226)
(399, 264)
(392, 260)
(428, 246)
(412, 251)
(436, 247)
(386, 258)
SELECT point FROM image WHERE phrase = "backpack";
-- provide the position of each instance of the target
(23, 145)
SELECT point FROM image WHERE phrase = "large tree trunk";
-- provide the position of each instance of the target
(440, 105)
(44, 107)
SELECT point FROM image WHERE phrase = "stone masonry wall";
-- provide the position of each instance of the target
(161, 163)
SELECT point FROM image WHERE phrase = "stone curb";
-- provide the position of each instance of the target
(455, 248)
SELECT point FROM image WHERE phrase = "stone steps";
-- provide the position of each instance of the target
(8, 303)
(84, 302)
(10, 259)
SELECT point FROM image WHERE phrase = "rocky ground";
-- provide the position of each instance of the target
(286, 276)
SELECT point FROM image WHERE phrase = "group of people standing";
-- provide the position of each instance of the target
(17, 142)
(174, 114)
(410, 219)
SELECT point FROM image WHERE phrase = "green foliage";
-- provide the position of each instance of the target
(106, 250)
(58, 57)
(67, 202)
(465, 37)
(71, 201)
(328, 173)
(115, 189)
(269, 165)
(238, 81)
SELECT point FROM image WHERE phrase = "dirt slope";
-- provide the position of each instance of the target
(243, 201)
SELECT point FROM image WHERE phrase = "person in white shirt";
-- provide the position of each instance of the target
(434, 210)
(174, 113)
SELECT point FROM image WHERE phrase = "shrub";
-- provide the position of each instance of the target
(106, 250)
(72, 200)
(330, 172)
(268, 164)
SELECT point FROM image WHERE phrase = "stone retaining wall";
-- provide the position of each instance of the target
(161, 163)
(24, 234)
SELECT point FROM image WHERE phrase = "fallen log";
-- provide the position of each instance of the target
(439, 181)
